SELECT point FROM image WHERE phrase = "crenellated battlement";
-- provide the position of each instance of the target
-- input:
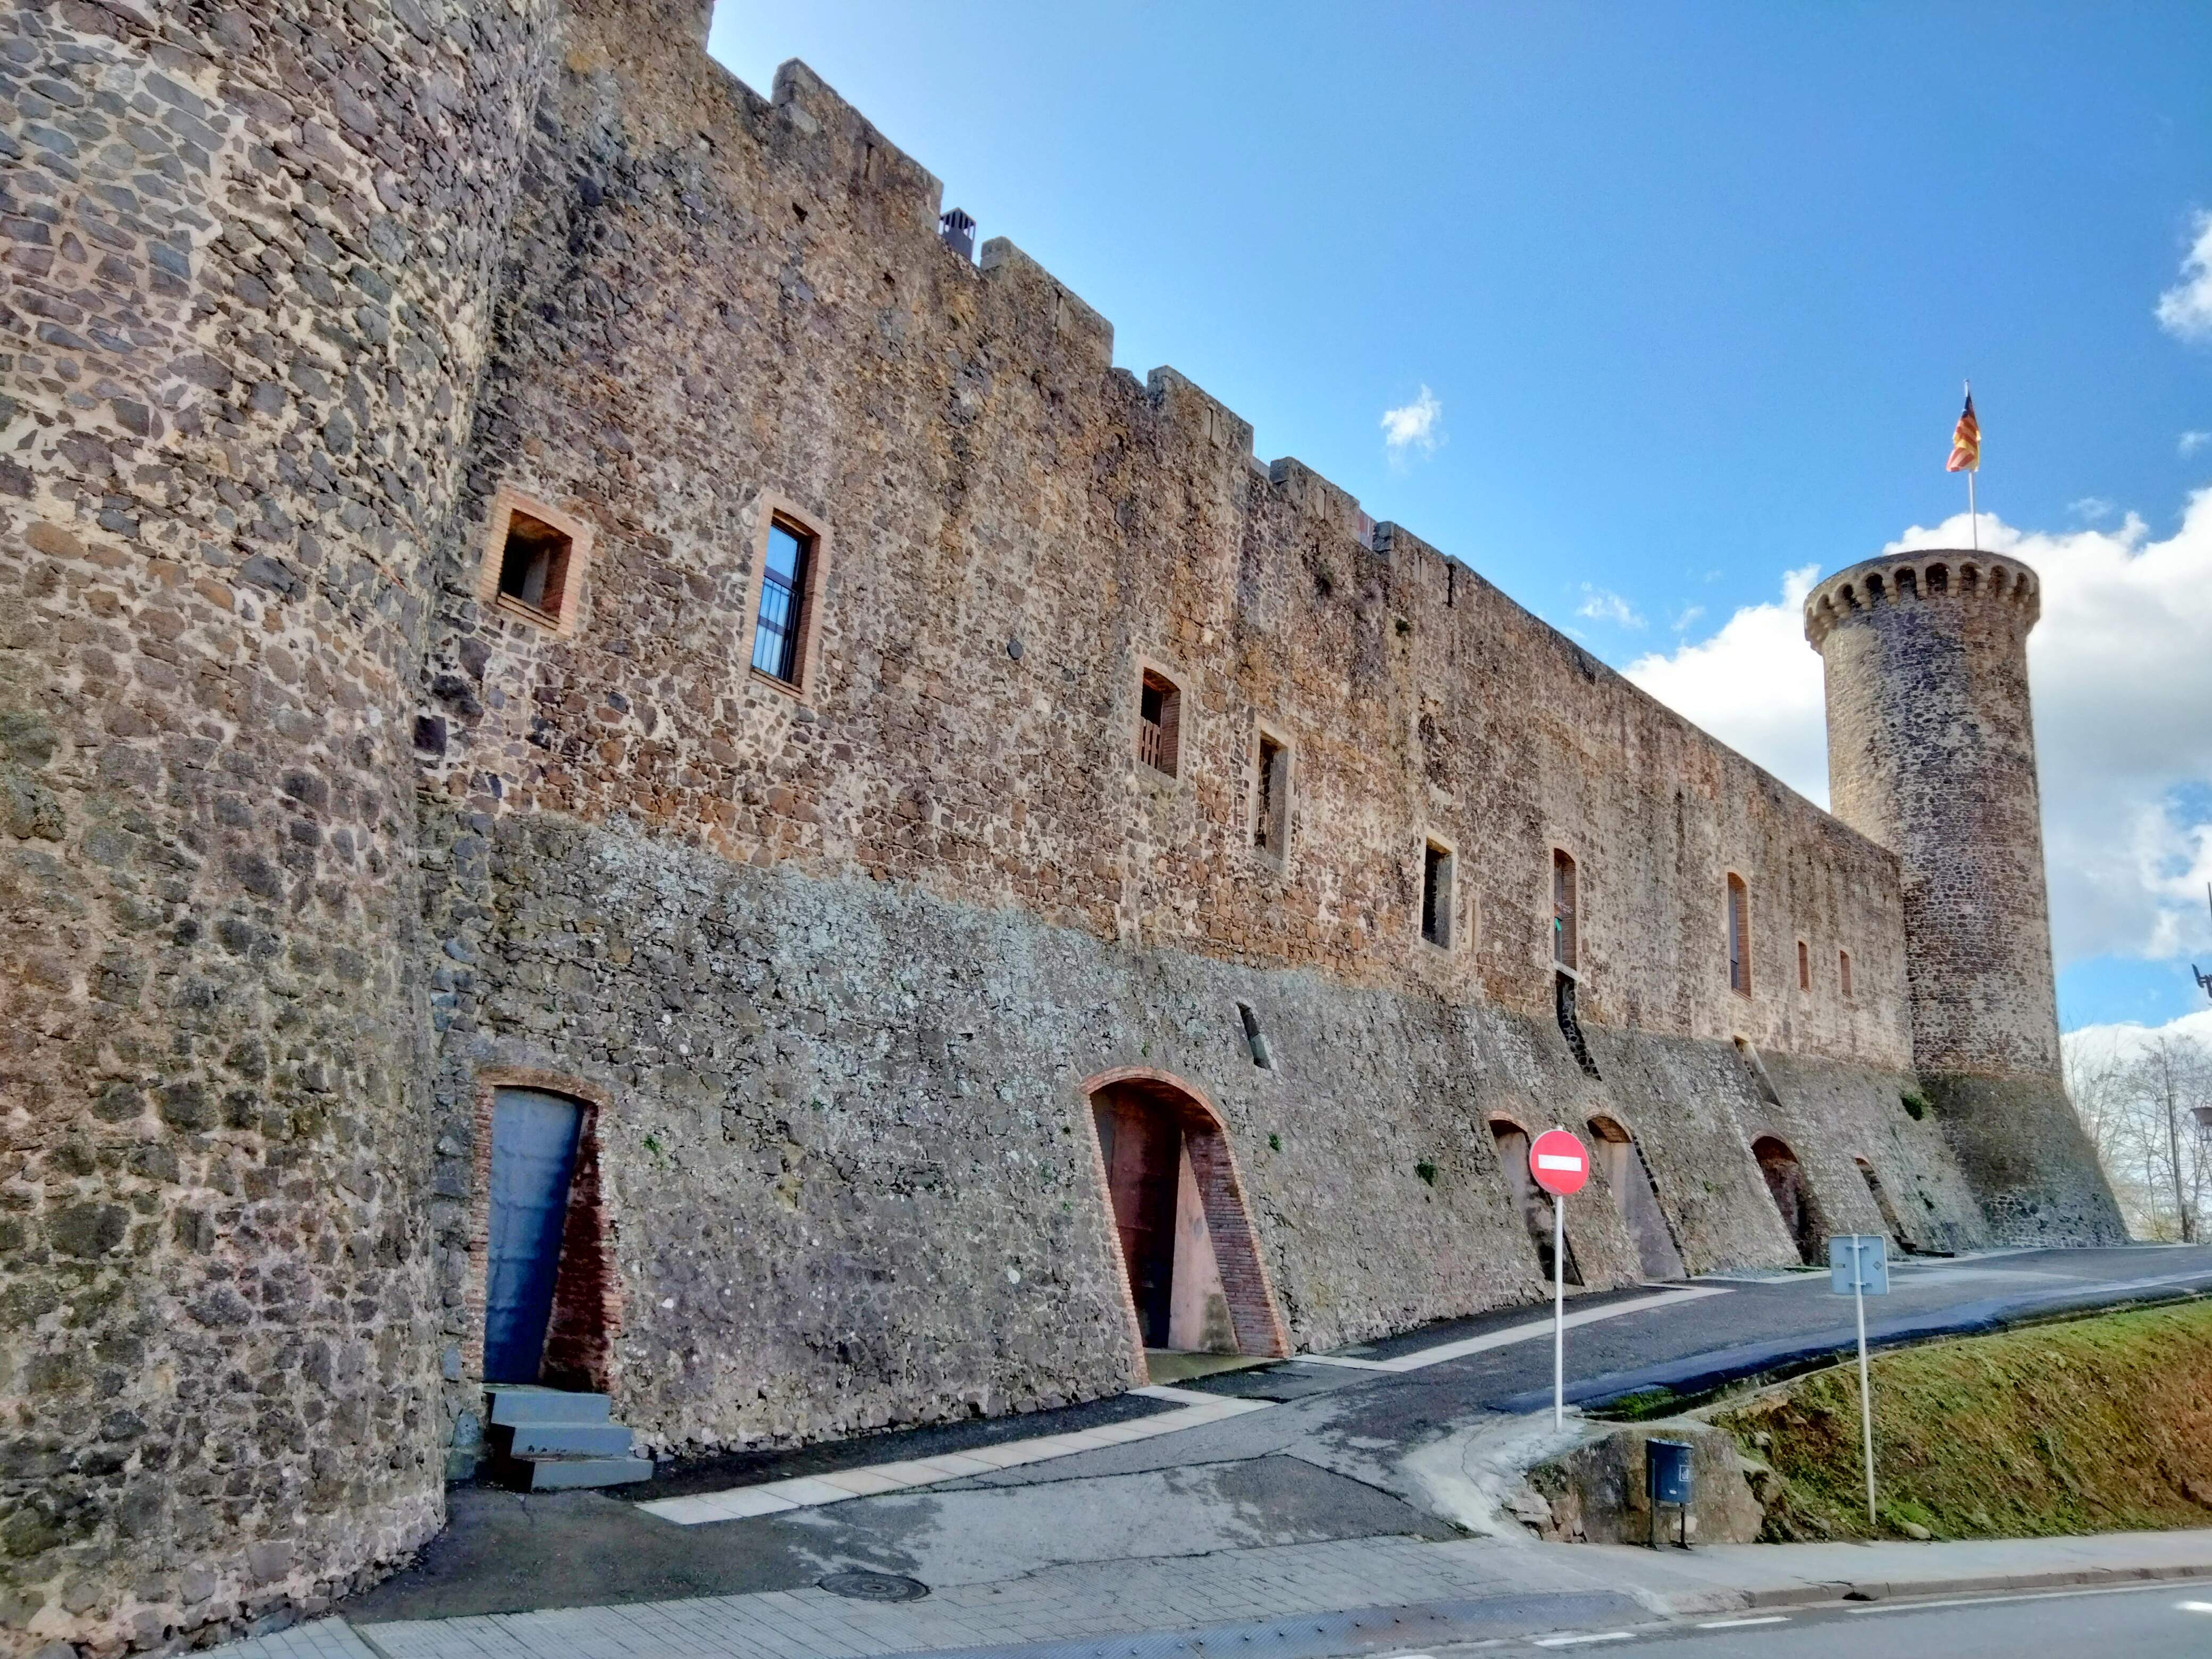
(1897, 579)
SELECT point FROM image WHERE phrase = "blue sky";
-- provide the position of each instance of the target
(1691, 287)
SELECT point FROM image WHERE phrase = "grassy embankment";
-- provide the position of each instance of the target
(2103, 1425)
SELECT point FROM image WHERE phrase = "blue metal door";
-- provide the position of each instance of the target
(533, 1152)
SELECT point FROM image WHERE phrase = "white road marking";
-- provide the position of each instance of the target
(1424, 1358)
(1744, 1624)
(2021, 1595)
(1578, 1641)
(2193, 1607)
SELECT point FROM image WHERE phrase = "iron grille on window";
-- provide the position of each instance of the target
(779, 629)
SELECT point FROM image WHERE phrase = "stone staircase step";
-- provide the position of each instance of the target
(556, 1473)
(566, 1439)
(528, 1403)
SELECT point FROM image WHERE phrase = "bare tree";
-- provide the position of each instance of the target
(2141, 1111)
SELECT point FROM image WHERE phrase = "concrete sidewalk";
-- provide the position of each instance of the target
(1298, 1602)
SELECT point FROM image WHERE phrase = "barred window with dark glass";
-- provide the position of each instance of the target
(780, 629)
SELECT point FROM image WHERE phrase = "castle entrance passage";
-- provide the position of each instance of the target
(1637, 1197)
(1193, 1265)
(1532, 1201)
(534, 1137)
(1793, 1196)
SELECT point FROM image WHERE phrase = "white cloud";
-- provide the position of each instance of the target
(1415, 426)
(1599, 605)
(1682, 623)
(1755, 685)
(2122, 688)
(2185, 310)
(2193, 441)
(2092, 508)
(2127, 1041)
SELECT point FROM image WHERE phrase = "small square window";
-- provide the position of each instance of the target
(1271, 816)
(534, 560)
(1437, 895)
(1159, 722)
(533, 566)
(779, 627)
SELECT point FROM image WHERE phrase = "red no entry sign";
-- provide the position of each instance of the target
(1559, 1162)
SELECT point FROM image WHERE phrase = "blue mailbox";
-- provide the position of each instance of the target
(1667, 1481)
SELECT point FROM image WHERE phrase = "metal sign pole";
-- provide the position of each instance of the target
(1558, 1313)
(1866, 1390)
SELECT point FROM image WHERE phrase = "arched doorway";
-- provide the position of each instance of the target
(1636, 1195)
(1532, 1201)
(1880, 1196)
(1793, 1195)
(1196, 1282)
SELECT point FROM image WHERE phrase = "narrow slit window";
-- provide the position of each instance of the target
(1159, 722)
(1566, 946)
(1270, 819)
(1739, 936)
(778, 631)
(1804, 967)
(533, 565)
(1844, 971)
(1436, 896)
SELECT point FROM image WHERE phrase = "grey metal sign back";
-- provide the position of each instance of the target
(1858, 1264)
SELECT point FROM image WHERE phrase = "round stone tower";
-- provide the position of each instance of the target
(254, 250)
(1931, 752)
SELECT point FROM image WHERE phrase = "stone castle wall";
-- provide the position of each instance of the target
(247, 265)
(841, 964)
(305, 846)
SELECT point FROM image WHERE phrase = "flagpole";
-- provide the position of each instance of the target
(1973, 515)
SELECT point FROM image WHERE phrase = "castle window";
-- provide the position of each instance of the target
(1437, 895)
(1566, 948)
(1804, 967)
(1270, 790)
(1739, 936)
(1159, 722)
(1843, 972)
(534, 559)
(781, 621)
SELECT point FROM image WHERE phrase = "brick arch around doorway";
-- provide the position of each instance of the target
(587, 1297)
(1146, 1096)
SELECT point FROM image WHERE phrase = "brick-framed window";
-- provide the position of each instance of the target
(1739, 935)
(1159, 722)
(1804, 966)
(1843, 972)
(783, 611)
(534, 562)
(1271, 795)
(1438, 872)
(1566, 899)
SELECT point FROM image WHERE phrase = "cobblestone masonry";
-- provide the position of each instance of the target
(292, 296)
(249, 255)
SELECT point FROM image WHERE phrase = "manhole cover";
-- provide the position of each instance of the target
(874, 1586)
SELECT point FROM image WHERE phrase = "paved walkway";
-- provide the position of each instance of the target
(1194, 1411)
(1341, 1597)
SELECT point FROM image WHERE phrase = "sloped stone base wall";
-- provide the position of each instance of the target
(846, 1162)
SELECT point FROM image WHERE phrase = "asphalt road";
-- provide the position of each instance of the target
(2151, 1621)
(1345, 1453)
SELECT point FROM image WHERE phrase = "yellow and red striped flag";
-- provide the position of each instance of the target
(1965, 441)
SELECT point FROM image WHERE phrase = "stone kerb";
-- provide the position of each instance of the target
(1923, 573)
